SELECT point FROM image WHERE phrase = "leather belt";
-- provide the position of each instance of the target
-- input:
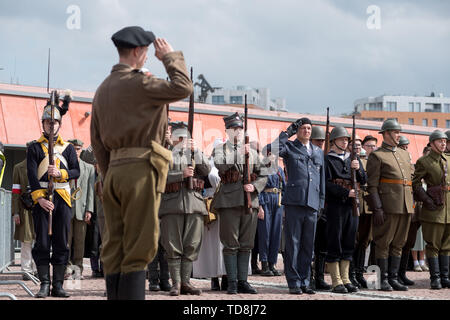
(272, 190)
(130, 153)
(347, 184)
(404, 182)
(177, 186)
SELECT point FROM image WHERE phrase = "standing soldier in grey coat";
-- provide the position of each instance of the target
(390, 199)
(182, 211)
(82, 209)
(237, 224)
(21, 210)
(435, 217)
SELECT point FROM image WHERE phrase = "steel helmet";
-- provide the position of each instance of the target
(339, 132)
(437, 134)
(317, 133)
(403, 141)
(47, 114)
(390, 124)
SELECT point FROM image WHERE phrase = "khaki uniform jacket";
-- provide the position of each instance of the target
(391, 163)
(86, 182)
(184, 201)
(364, 208)
(232, 194)
(429, 169)
(25, 231)
(128, 110)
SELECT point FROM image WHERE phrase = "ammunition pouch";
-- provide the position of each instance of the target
(233, 176)
(27, 199)
(177, 186)
(437, 193)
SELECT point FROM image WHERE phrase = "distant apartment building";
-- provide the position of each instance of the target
(428, 111)
(259, 97)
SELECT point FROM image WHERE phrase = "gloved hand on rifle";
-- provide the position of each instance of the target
(421, 195)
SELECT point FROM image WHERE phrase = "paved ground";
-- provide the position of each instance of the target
(269, 288)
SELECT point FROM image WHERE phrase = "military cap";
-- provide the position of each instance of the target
(76, 142)
(390, 125)
(47, 114)
(403, 141)
(317, 133)
(179, 129)
(437, 134)
(339, 132)
(369, 138)
(132, 37)
(235, 120)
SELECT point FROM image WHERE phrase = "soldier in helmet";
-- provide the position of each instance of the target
(318, 136)
(342, 225)
(435, 215)
(64, 169)
(390, 199)
(447, 148)
(182, 210)
(403, 143)
(237, 223)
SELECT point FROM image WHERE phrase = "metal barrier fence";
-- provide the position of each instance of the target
(7, 245)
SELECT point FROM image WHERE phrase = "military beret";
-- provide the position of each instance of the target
(76, 142)
(233, 121)
(303, 121)
(132, 37)
(369, 138)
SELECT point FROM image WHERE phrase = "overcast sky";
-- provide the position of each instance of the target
(312, 53)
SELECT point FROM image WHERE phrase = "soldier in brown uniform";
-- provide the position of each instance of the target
(182, 211)
(237, 226)
(21, 211)
(435, 217)
(129, 123)
(390, 199)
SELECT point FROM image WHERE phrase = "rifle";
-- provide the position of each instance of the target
(327, 133)
(353, 173)
(51, 160)
(248, 197)
(190, 181)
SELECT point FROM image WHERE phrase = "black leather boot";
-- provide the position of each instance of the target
(394, 265)
(224, 283)
(319, 266)
(402, 270)
(58, 281)
(444, 269)
(243, 286)
(153, 285)
(275, 272)
(112, 286)
(132, 286)
(384, 265)
(230, 262)
(165, 285)
(44, 277)
(265, 271)
(215, 285)
(352, 276)
(359, 260)
(435, 277)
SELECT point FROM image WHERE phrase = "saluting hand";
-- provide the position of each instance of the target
(53, 171)
(46, 205)
(162, 47)
(355, 165)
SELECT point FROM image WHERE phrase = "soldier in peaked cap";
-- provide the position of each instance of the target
(303, 198)
(390, 200)
(129, 123)
(237, 225)
(39, 172)
(182, 210)
(435, 215)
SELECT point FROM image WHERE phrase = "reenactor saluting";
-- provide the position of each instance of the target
(182, 210)
(342, 224)
(237, 223)
(435, 216)
(128, 128)
(390, 200)
(39, 171)
(303, 198)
